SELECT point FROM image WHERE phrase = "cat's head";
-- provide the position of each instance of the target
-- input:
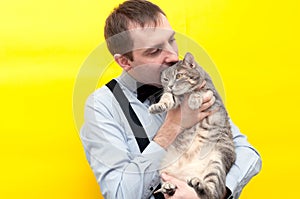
(183, 77)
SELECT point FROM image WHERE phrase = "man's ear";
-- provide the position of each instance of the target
(123, 61)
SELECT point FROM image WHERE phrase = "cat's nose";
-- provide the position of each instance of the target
(169, 88)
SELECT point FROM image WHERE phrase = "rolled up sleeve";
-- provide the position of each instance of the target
(248, 163)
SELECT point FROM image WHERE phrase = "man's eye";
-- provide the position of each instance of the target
(155, 51)
(171, 40)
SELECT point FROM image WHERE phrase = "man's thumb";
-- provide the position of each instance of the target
(165, 177)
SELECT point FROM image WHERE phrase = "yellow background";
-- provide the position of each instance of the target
(254, 44)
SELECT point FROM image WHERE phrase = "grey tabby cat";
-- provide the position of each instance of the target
(201, 155)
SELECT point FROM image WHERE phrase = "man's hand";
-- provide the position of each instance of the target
(183, 190)
(181, 118)
(189, 117)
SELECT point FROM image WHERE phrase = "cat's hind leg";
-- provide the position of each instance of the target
(199, 186)
(212, 185)
(167, 188)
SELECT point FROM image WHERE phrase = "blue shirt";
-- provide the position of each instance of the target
(121, 170)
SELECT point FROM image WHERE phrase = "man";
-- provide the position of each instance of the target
(142, 42)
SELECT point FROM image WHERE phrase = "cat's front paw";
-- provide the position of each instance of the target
(167, 188)
(195, 101)
(159, 107)
(165, 103)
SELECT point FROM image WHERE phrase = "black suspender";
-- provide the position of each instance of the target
(134, 122)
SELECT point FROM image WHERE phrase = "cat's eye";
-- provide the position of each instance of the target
(165, 79)
(179, 75)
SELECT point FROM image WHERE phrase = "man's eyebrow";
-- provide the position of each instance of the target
(172, 35)
(159, 46)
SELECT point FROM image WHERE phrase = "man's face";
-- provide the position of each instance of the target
(154, 50)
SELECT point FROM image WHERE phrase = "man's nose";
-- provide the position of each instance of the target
(171, 56)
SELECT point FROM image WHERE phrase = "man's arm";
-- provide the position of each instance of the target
(181, 118)
(247, 164)
(113, 154)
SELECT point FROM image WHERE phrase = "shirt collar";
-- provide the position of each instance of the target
(128, 81)
(145, 91)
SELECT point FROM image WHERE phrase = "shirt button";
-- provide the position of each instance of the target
(151, 188)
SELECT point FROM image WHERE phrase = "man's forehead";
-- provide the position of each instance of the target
(150, 36)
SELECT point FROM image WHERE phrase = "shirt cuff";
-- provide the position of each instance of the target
(228, 194)
(155, 153)
(231, 183)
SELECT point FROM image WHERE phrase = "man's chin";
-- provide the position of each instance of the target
(158, 85)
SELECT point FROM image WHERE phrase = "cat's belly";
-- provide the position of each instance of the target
(191, 163)
(186, 168)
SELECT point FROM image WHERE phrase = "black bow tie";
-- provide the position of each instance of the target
(150, 92)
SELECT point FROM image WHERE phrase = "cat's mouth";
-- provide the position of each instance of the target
(179, 92)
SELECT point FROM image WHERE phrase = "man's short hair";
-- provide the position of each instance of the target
(130, 13)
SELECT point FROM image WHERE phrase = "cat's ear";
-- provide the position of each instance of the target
(189, 60)
(123, 61)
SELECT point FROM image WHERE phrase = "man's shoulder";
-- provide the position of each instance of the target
(101, 95)
(103, 91)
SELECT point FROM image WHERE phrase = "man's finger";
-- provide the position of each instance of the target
(208, 104)
(207, 96)
(165, 177)
(201, 86)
